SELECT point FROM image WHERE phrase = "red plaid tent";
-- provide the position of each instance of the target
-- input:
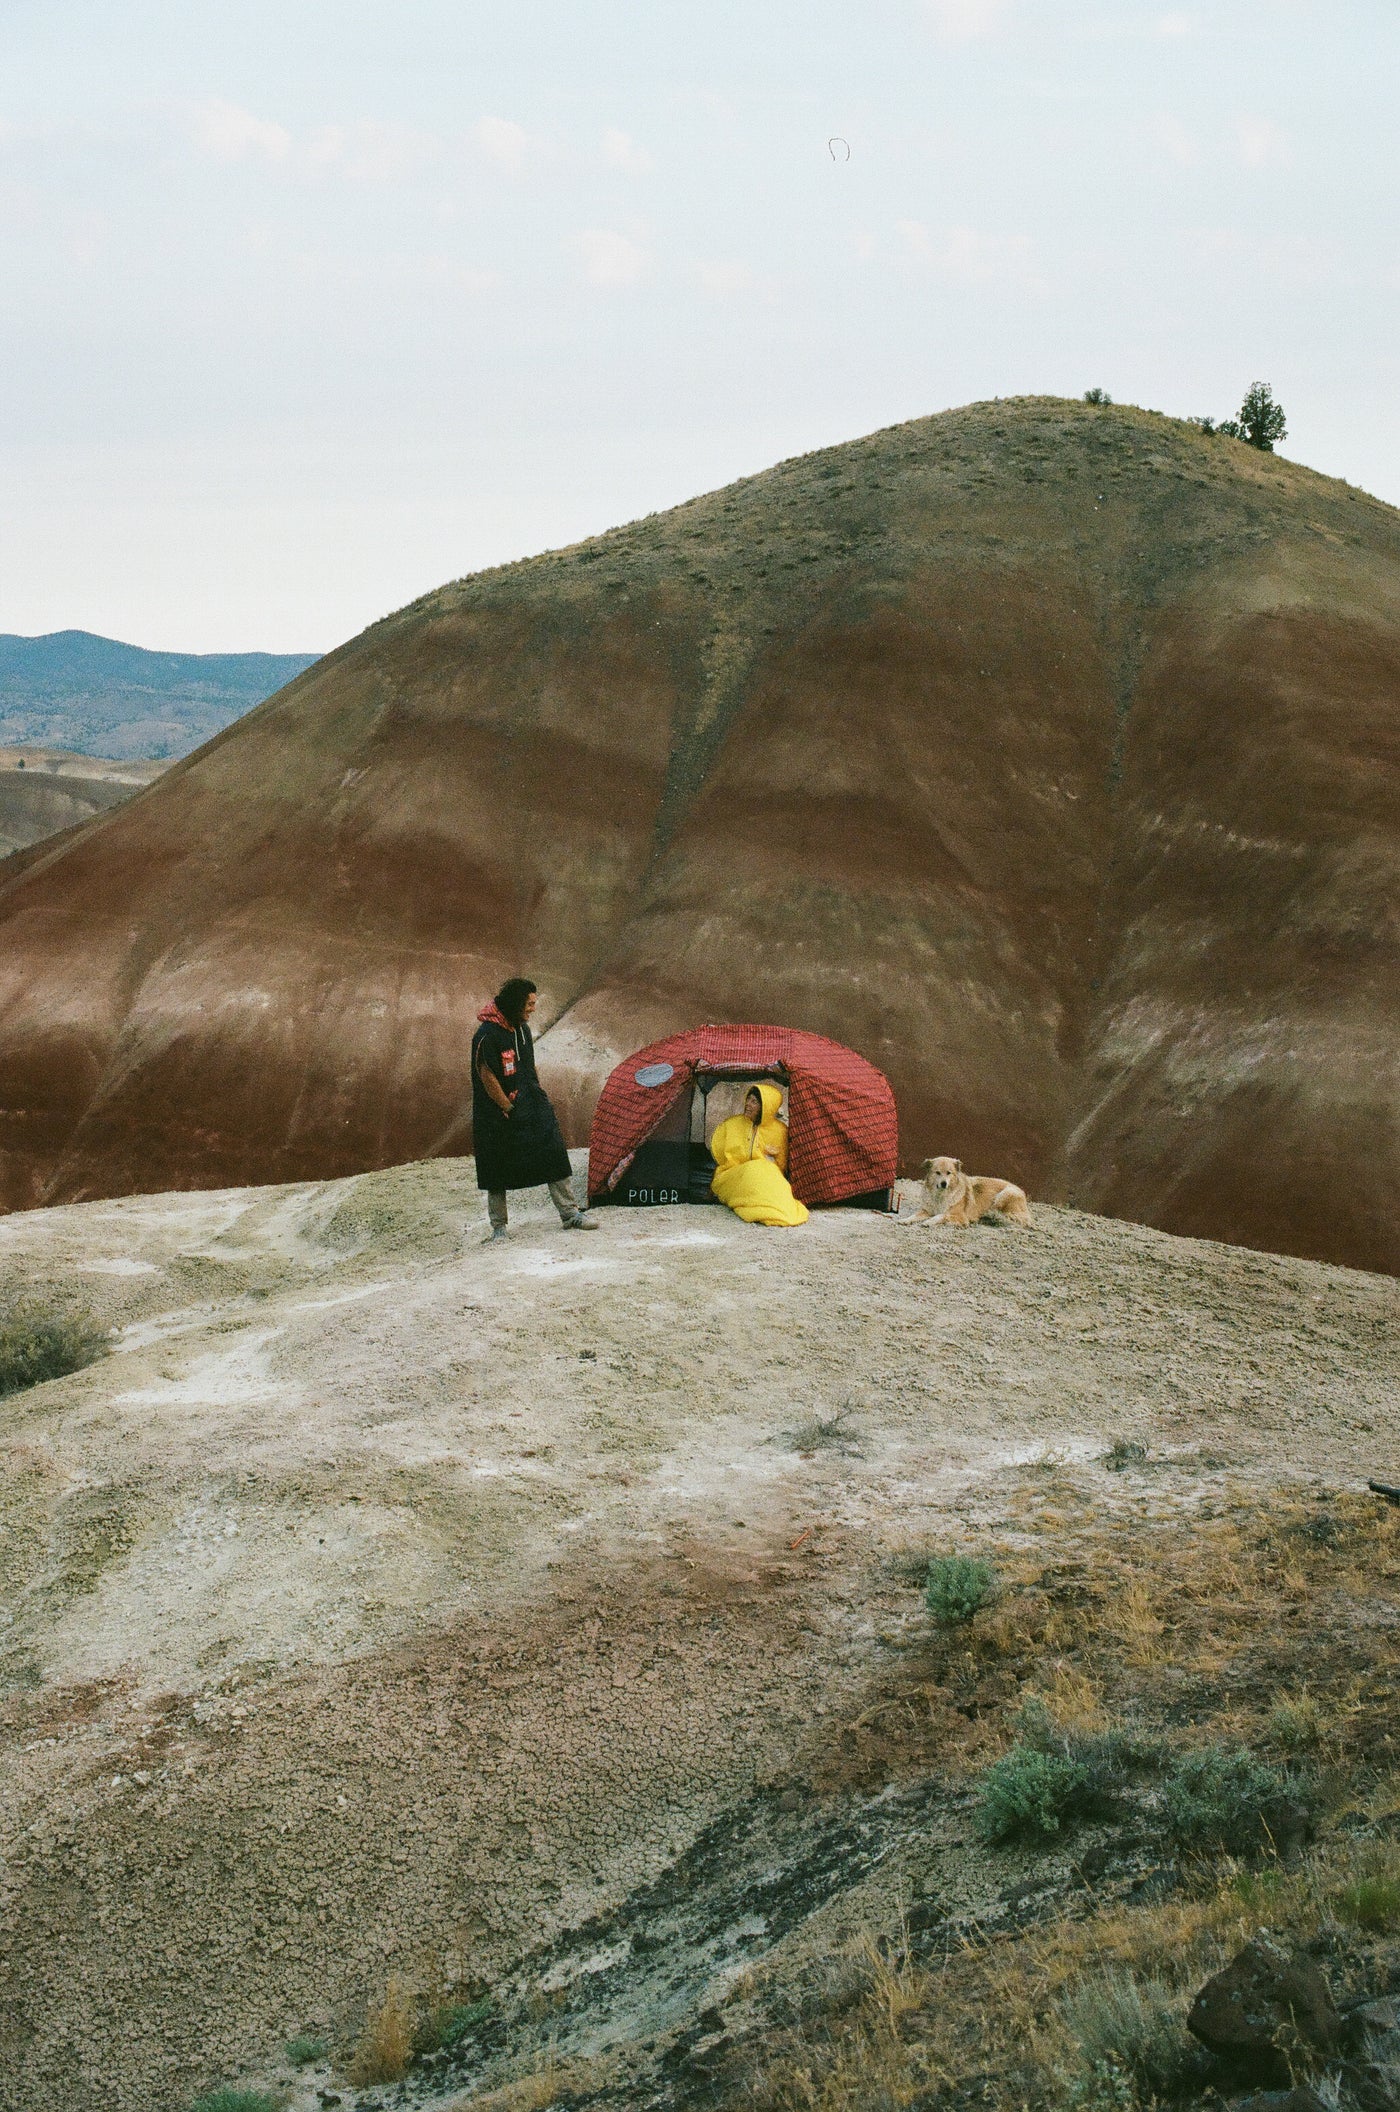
(842, 1127)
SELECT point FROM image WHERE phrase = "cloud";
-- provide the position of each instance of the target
(724, 280)
(434, 268)
(230, 133)
(620, 151)
(1177, 24)
(502, 142)
(964, 253)
(370, 152)
(611, 259)
(1260, 143)
(365, 152)
(959, 21)
(1180, 144)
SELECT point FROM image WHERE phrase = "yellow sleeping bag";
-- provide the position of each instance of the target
(751, 1166)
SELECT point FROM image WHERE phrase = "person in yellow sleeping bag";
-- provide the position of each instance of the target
(751, 1155)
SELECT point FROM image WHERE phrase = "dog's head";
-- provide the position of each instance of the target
(941, 1173)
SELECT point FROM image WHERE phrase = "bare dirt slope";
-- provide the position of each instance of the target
(44, 790)
(1046, 753)
(390, 1603)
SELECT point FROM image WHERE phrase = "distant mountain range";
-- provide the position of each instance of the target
(95, 696)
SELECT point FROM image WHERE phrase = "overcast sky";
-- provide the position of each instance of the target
(311, 304)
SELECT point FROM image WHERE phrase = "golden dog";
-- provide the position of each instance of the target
(958, 1198)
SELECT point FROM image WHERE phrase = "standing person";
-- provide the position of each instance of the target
(516, 1132)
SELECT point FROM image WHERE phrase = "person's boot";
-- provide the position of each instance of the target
(496, 1232)
(579, 1223)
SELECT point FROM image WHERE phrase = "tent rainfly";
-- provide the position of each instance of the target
(648, 1141)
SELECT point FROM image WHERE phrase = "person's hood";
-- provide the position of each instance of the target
(495, 1017)
(772, 1097)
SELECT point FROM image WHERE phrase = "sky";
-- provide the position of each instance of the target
(309, 305)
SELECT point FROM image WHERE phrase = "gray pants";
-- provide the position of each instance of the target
(561, 1194)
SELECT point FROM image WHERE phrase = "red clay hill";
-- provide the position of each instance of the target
(1048, 754)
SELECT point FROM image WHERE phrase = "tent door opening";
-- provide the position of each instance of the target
(675, 1163)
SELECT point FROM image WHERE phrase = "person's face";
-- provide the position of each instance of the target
(753, 1107)
(528, 1007)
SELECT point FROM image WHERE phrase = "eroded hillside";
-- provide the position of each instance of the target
(1044, 752)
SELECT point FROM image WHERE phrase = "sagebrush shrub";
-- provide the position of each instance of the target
(305, 2047)
(1027, 1795)
(1223, 1799)
(1052, 1777)
(1130, 2040)
(956, 1587)
(39, 1342)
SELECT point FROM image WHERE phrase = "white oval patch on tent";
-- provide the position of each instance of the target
(654, 1073)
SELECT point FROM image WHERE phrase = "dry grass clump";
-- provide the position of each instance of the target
(879, 2053)
(1126, 2041)
(1370, 1897)
(386, 2044)
(541, 2086)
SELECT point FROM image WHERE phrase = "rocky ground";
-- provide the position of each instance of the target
(527, 1641)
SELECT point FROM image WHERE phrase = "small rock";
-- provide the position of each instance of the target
(1382, 2015)
(1097, 1858)
(1244, 2012)
(1156, 1884)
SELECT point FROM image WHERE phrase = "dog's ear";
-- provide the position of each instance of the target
(925, 1167)
(957, 1165)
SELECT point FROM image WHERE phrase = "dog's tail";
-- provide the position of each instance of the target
(1011, 1202)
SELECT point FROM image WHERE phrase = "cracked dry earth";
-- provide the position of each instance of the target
(390, 1604)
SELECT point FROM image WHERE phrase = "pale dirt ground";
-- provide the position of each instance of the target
(391, 1602)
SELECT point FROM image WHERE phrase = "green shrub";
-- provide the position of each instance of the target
(1261, 420)
(41, 1342)
(1124, 1452)
(447, 2025)
(304, 2048)
(1371, 1903)
(1298, 1722)
(1131, 2043)
(956, 1587)
(1097, 396)
(1052, 1777)
(231, 2099)
(1027, 1795)
(1222, 1799)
